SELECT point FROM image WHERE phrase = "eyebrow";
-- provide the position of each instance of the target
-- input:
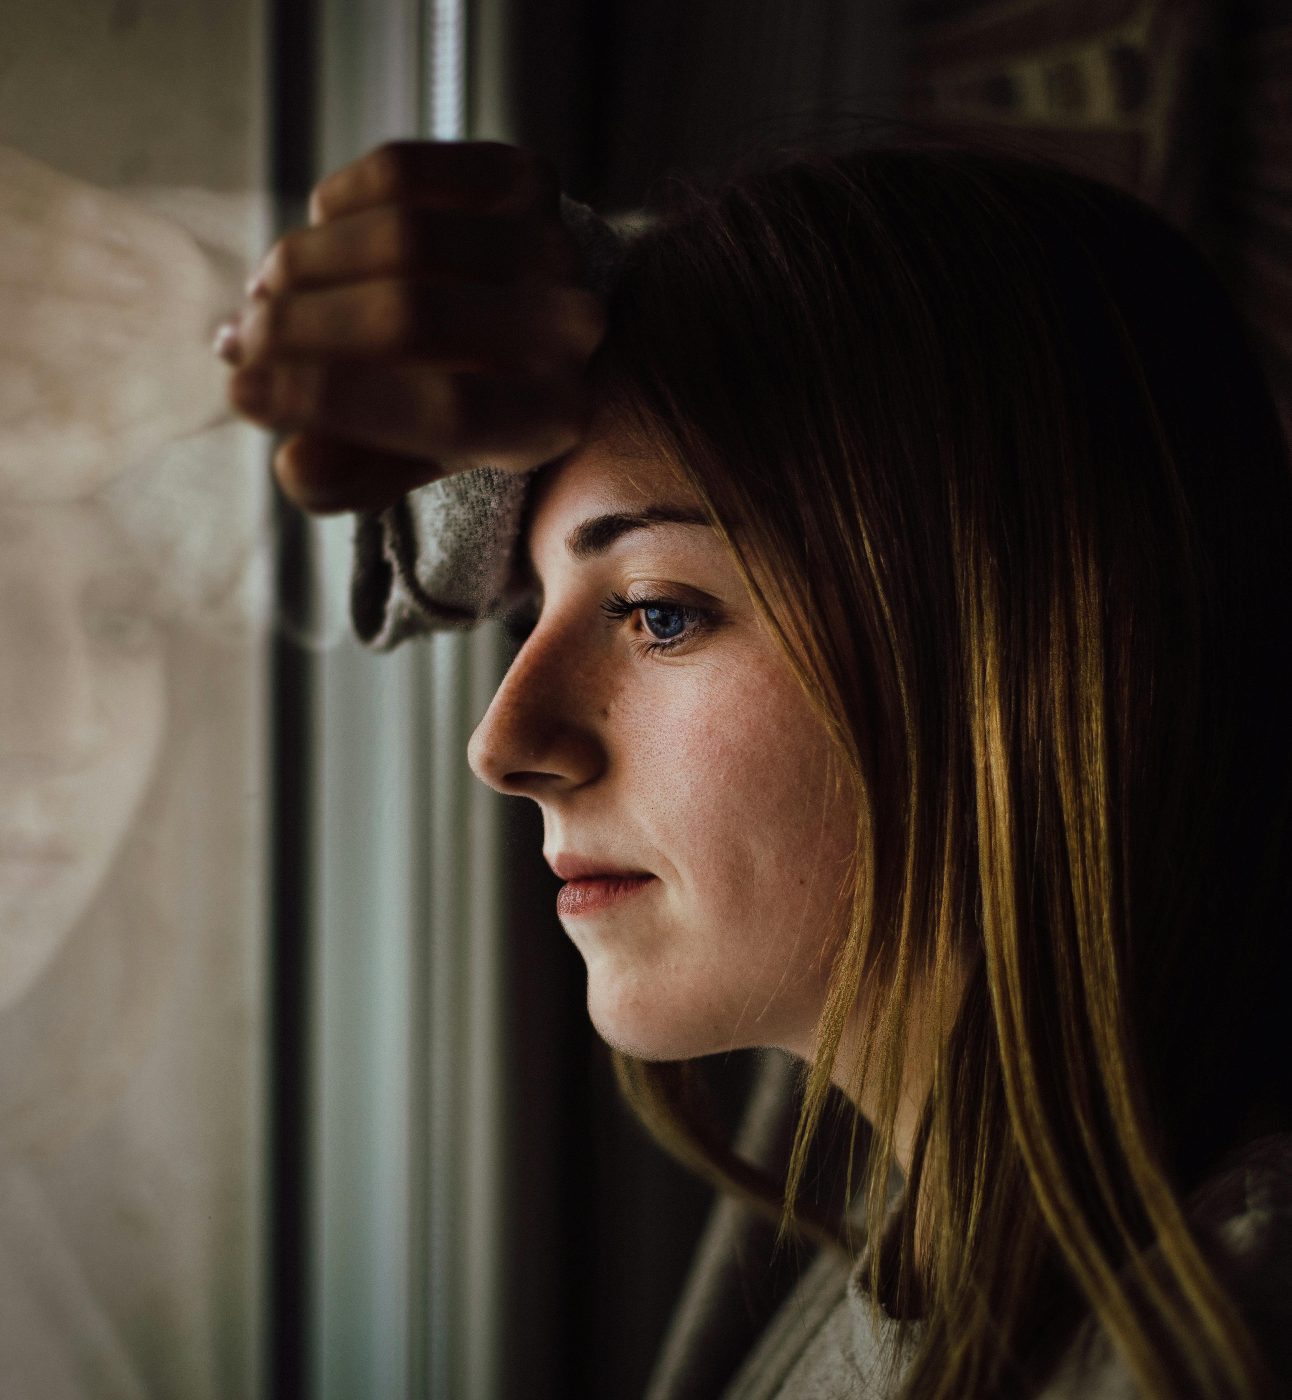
(594, 536)
(591, 538)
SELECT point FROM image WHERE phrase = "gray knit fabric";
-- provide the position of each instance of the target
(823, 1344)
(737, 1278)
(441, 556)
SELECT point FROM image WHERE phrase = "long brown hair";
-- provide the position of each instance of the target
(995, 459)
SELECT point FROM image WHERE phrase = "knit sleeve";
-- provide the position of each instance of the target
(441, 556)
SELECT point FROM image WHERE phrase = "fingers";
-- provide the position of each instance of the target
(393, 240)
(450, 421)
(484, 176)
(326, 476)
(430, 320)
(461, 328)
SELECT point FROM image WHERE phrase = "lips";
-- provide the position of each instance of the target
(572, 867)
(594, 882)
(589, 896)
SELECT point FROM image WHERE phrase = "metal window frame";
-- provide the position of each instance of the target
(386, 1097)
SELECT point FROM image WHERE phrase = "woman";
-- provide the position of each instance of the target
(907, 690)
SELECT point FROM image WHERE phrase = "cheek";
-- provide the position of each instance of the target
(737, 786)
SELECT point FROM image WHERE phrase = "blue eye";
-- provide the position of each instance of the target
(670, 623)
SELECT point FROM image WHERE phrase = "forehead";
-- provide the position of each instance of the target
(583, 504)
(604, 474)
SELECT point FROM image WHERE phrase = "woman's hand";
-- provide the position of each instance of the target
(430, 319)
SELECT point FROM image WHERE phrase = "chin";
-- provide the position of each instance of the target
(645, 1026)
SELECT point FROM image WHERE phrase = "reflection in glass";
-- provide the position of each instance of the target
(133, 563)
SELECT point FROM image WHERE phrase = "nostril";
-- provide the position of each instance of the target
(520, 779)
(539, 732)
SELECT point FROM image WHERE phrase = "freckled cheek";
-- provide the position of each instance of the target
(721, 790)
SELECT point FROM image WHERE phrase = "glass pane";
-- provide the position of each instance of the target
(133, 777)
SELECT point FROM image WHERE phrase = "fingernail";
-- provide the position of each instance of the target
(228, 343)
(256, 285)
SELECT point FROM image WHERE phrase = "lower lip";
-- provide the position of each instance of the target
(591, 896)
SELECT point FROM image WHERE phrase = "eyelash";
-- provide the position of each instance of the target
(617, 607)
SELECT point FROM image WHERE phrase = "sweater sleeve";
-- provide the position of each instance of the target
(441, 556)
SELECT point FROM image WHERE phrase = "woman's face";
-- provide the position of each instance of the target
(699, 763)
(82, 717)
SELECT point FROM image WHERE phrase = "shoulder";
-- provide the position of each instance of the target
(1242, 1219)
(1243, 1216)
(1251, 1190)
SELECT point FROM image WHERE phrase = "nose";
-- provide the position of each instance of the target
(537, 737)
